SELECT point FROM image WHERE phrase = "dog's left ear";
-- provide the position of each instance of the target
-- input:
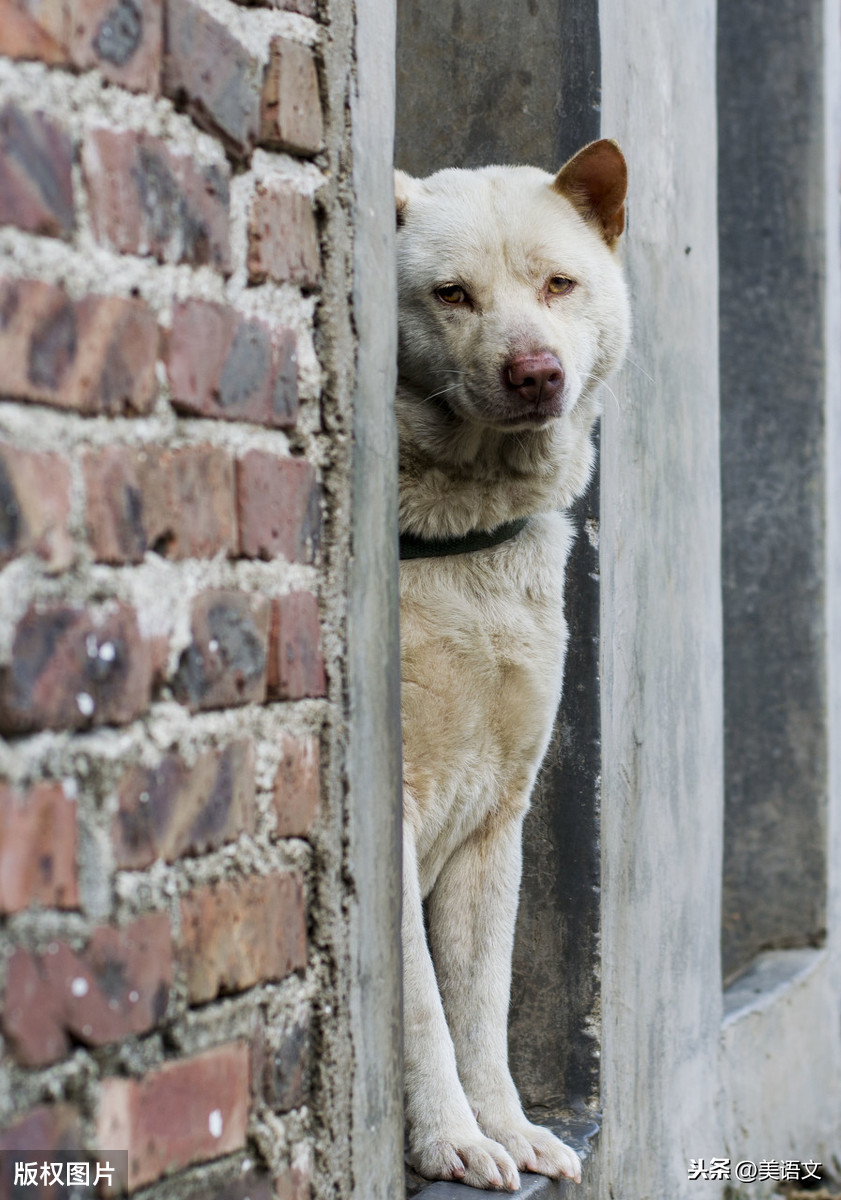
(595, 181)
(402, 187)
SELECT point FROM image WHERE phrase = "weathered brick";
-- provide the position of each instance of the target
(34, 506)
(226, 661)
(282, 235)
(294, 1182)
(178, 503)
(285, 1069)
(95, 355)
(72, 668)
(278, 507)
(201, 482)
(291, 110)
(34, 29)
(36, 186)
(37, 848)
(296, 666)
(214, 74)
(238, 933)
(147, 199)
(182, 1113)
(123, 38)
(172, 809)
(118, 985)
(297, 785)
(224, 364)
(50, 1132)
(120, 37)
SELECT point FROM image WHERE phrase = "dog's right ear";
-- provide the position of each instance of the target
(402, 187)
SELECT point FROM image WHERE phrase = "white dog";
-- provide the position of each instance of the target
(512, 311)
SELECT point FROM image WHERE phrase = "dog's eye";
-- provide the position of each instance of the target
(451, 293)
(559, 285)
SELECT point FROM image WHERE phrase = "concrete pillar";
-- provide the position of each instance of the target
(374, 831)
(661, 615)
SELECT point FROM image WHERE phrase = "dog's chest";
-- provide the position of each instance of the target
(483, 642)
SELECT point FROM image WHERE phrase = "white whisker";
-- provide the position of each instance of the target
(441, 391)
(639, 368)
(607, 386)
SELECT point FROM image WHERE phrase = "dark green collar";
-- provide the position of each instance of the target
(412, 546)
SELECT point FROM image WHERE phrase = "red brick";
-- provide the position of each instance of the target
(95, 355)
(50, 1132)
(147, 199)
(36, 186)
(201, 483)
(120, 37)
(291, 110)
(173, 809)
(238, 933)
(294, 1182)
(178, 503)
(34, 29)
(224, 364)
(296, 666)
(118, 985)
(37, 848)
(286, 1060)
(225, 663)
(282, 236)
(297, 785)
(34, 506)
(278, 507)
(214, 74)
(182, 1113)
(72, 668)
(123, 38)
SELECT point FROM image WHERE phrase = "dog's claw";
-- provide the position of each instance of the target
(536, 1149)
(479, 1163)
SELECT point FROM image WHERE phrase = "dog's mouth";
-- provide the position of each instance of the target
(533, 418)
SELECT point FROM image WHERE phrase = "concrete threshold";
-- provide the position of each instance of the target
(580, 1133)
(770, 977)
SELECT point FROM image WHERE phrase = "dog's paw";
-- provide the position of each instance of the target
(474, 1160)
(535, 1149)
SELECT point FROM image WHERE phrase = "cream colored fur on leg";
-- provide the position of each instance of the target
(512, 310)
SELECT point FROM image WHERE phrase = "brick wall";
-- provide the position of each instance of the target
(170, 600)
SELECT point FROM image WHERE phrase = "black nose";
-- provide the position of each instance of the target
(537, 378)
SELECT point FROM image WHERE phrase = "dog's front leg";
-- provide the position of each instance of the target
(445, 1142)
(472, 913)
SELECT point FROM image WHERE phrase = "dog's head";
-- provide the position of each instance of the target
(512, 304)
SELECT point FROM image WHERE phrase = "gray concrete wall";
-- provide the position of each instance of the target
(781, 1043)
(661, 626)
(773, 253)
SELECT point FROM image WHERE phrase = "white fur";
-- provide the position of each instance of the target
(483, 634)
